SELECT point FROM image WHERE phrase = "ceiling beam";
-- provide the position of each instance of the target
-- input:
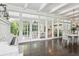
(42, 6)
(56, 8)
(77, 18)
(26, 5)
(77, 15)
(28, 11)
(71, 13)
(70, 9)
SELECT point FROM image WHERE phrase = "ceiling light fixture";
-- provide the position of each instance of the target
(3, 11)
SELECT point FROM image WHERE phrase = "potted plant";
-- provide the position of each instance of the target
(14, 31)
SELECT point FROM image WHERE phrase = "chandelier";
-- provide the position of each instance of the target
(3, 11)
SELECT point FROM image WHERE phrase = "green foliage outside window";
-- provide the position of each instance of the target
(14, 28)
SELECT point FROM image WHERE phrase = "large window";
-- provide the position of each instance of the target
(66, 27)
(35, 29)
(55, 30)
(42, 29)
(60, 29)
(26, 28)
(49, 24)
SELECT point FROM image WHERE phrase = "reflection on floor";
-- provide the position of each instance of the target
(50, 48)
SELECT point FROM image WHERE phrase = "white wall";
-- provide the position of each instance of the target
(5, 32)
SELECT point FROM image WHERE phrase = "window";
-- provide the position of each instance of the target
(49, 24)
(34, 29)
(60, 32)
(66, 27)
(55, 32)
(26, 28)
(42, 29)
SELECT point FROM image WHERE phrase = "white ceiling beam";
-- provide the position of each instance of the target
(42, 6)
(71, 13)
(26, 5)
(67, 10)
(77, 18)
(29, 11)
(56, 8)
(77, 15)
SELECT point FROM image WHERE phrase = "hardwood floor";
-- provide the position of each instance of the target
(50, 48)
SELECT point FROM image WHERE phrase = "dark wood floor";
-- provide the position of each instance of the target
(50, 48)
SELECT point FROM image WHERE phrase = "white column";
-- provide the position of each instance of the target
(52, 29)
(27, 29)
(58, 33)
(46, 36)
(20, 27)
(30, 29)
(57, 29)
(39, 29)
(52, 34)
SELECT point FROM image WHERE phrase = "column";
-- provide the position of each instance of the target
(52, 34)
(20, 38)
(58, 34)
(30, 29)
(58, 30)
(38, 28)
(52, 29)
(46, 36)
(20, 28)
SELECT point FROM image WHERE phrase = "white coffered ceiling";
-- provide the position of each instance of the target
(65, 9)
